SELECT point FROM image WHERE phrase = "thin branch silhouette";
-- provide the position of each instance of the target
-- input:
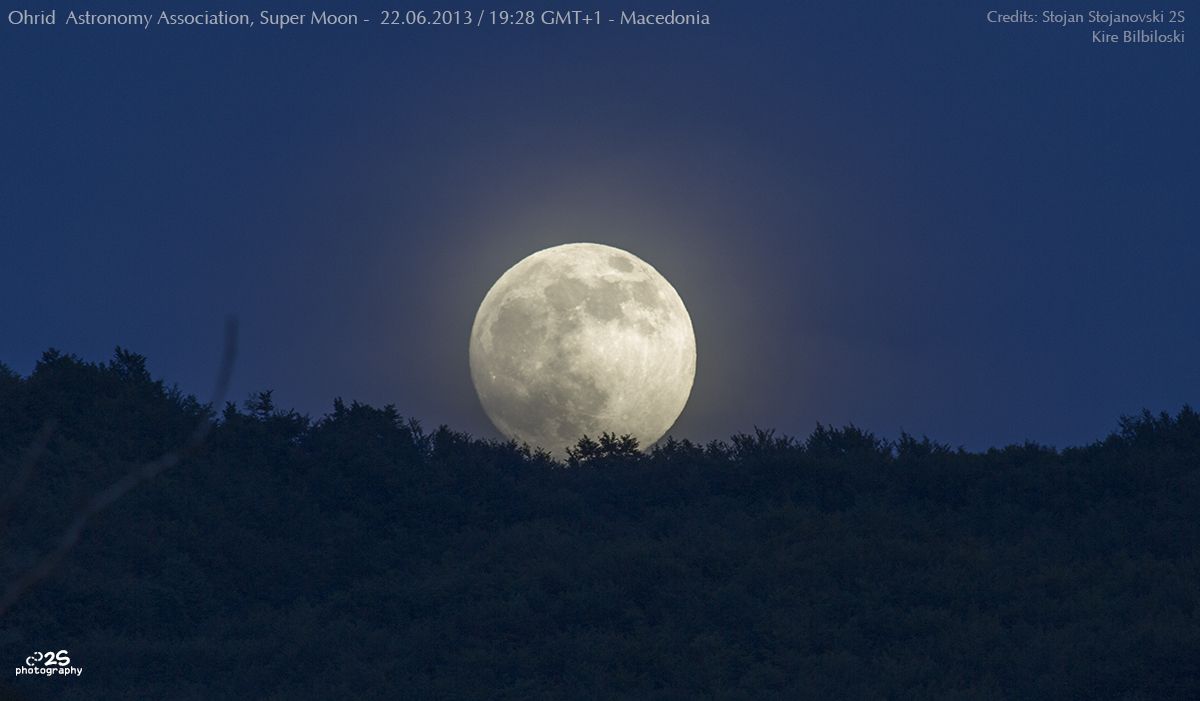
(25, 468)
(109, 495)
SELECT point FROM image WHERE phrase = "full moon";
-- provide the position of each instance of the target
(582, 339)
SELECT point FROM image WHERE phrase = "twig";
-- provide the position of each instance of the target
(25, 468)
(106, 497)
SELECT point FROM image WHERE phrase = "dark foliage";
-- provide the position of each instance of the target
(361, 556)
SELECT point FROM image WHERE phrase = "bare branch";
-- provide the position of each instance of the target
(106, 497)
(25, 468)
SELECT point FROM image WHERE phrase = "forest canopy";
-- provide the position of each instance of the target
(361, 555)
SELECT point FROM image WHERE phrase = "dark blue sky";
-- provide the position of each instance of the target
(905, 217)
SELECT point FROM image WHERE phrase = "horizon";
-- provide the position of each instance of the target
(242, 405)
(627, 351)
(888, 216)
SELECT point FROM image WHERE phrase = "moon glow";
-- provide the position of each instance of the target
(582, 339)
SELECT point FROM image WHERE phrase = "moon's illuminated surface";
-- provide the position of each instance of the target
(582, 339)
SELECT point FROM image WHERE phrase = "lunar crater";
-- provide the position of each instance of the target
(582, 339)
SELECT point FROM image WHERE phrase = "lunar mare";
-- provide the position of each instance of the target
(582, 339)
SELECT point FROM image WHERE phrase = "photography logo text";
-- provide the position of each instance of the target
(48, 664)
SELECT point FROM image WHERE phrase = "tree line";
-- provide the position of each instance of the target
(361, 555)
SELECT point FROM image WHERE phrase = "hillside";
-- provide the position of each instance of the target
(362, 556)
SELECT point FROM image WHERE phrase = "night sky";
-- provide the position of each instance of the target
(904, 218)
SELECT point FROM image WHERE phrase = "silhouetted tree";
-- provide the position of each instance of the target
(609, 450)
(359, 556)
